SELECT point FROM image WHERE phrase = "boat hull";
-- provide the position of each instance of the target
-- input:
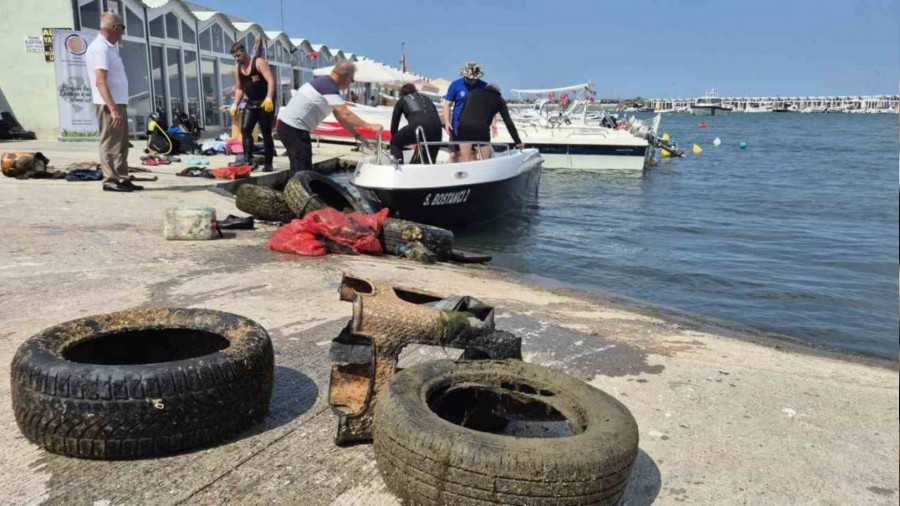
(458, 206)
(581, 157)
(709, 111)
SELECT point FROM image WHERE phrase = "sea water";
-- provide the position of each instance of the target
(795, 235)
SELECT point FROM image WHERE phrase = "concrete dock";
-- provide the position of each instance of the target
(723, 420)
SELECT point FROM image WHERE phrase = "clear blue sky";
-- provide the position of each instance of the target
(627, 48)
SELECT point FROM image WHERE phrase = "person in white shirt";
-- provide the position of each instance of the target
(109, 89)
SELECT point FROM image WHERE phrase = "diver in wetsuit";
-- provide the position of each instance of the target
(419, 112)
(253, 79)
(475, 121)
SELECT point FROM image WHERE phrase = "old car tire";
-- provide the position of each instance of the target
(426, 459)
(310, 191)
(396, 232)
(142, 383)
(263, 203)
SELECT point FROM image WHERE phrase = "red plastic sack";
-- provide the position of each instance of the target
(308, 236)
(238, 172)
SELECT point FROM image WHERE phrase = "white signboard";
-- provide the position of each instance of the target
(34, 44)
(77, 117)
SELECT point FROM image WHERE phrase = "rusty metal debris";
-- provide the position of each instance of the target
(385, 320)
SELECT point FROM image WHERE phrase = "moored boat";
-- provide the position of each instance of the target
(710, 105)
(580, 134)
(451, 195)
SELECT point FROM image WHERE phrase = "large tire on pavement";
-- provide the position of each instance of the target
(310, 191)
(436, 438)
(397, 232)
(142, 383)
(263, 203)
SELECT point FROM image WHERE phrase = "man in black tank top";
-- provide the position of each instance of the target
(253, 79)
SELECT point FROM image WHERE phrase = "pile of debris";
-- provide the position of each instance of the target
(312, 197)
(485, 428)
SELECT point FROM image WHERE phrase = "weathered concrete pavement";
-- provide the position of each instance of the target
(722, 420)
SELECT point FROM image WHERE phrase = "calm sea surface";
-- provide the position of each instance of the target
(797, 234)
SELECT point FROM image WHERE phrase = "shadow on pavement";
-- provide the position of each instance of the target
(645, 483)
(293, 394)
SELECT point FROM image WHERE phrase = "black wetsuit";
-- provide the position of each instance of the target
(419, 112)
(256, 88)
(475, 120)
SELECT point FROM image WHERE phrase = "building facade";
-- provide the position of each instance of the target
(177, 56)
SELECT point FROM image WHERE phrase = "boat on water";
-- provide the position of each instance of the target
(710, 105)
(785, 107)
(450, 195)
(581, 134)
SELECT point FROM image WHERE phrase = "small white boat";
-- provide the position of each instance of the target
(583, 135)
(451, 195)
(710, 105)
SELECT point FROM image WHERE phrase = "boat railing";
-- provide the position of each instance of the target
(382, 158)
(420, 141)
(497, 148)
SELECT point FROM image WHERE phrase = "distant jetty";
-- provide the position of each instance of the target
(845, 104)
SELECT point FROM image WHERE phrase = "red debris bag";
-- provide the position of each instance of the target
(238, 172)
(329, 229)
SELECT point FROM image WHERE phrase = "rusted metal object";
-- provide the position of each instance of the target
(385, 320)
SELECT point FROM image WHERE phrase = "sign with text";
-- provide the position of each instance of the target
(77, 118)
(34, 44)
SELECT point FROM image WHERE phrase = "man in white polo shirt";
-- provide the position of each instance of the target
(312, 103)
(109, 87)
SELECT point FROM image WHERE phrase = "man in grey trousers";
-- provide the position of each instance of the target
(109, 87)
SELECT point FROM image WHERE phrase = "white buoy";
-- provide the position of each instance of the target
(190, 223)
(717, 142)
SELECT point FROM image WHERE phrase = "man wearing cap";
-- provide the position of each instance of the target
(456, 95)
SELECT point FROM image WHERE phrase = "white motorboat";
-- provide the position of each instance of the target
(710, 105)
(582, 135)
(451, 195)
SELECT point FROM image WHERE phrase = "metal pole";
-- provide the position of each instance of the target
(282, 15)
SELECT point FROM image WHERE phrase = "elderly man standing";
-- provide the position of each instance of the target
(109, 87)
(312, 103)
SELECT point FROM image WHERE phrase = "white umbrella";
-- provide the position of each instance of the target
(368, 71)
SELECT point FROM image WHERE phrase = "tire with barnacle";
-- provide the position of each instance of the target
(563, 442)
(263, 203)
(310, 191)
(142, 383)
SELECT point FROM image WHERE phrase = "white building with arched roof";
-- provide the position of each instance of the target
(177, 56)
(278, 53)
